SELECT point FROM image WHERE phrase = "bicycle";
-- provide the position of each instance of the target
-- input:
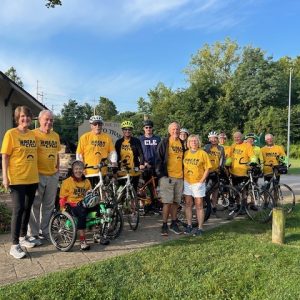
(282, 193)
(256, 202)
(106, 217)
(127, 198)
(148, 195)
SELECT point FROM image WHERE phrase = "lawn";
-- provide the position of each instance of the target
(235, 261)
(295, 166)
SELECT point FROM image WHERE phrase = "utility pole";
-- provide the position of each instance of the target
(289, 116)
(38, 93)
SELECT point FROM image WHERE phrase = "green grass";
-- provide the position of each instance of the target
(295, 166)
(236, 261)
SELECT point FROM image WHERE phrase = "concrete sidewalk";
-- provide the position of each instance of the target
(45, 259)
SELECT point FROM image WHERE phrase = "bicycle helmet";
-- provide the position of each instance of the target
(184, 130)
(96, 119)
(250, 135)
(148, 123)
(91, 199)
(126, 124)
(228, 162)
(212, 134)
(77, 162)
(222, 135)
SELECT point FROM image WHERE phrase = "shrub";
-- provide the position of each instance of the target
(295, 151)
(5, 217)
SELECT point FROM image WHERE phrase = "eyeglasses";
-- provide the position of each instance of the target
(126, 129)
(95, 124)
(148, 127)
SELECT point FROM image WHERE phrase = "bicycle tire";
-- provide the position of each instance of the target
(116, 226)
(181, 212)
(260, 205)
(228, 202)
(285, 197)
(62, 231)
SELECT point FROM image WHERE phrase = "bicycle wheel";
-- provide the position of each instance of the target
(259, 205)
(181, 216)
(131, 208)
(116, 225)
(228, 202)
(62, 231)
(284, 196)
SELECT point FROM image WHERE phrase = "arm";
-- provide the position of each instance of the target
(5, 162)
(204, 176)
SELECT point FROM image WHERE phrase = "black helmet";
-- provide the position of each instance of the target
(148, 123)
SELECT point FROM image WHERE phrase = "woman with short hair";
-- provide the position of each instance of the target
(20, 175)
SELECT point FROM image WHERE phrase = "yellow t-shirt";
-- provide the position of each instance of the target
(22, 151)
(74, 190)
(270, 157)
(227, 150)
(243, 152)
(93, 148)
(214, 156)
(175, 159)
(126, 153)
(258, 154)
(48, 146)
(195, 164)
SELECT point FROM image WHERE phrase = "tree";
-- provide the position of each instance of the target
(12, 74)
(52, 3)
(106, 109)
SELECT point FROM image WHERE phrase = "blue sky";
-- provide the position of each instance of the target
(122, 48)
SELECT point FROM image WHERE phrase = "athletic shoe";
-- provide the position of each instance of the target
(97, 238)
(35, 240)
(174, 228)
(164, 230)
(188, 229)
(25, 243)
(84, 245)
(17, 252)
(198, 232)
(43, 237)
(214, 210)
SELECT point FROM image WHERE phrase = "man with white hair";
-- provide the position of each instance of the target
(271, 154)
(48, 147)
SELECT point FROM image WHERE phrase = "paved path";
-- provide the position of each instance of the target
(46, 259)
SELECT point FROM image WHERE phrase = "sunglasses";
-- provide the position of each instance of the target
(148, 127)
(95, 124)
(126, 129)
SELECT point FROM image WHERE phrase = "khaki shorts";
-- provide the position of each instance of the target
(170, 189)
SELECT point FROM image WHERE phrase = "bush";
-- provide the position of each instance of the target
(5, 217)
(295, 151)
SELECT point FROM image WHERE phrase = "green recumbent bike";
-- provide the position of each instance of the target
(105, 216)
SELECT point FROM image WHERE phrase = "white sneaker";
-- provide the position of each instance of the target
(25, 243)
(16, 251)
(35, 240)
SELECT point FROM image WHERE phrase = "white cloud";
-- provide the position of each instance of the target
(31, 20)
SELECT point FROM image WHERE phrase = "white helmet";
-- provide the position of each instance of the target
(185, 131)
(96, 119)
(91, 199)
(212, 134)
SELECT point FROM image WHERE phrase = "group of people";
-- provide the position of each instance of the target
(30, 162)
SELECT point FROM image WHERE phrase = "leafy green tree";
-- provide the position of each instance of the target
(106, 109)
(52, 3)
(12, 74)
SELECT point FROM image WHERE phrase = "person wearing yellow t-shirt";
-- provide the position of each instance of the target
(130, 152)
(271, 154)
(241, 155)
(48, 146)
(196, 164)
(73, 190)
(20, 174)
(217, 158)
(95, 145)
(222, 137)
(169, 170)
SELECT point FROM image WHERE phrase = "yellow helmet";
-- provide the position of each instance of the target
(228, 162)
(126, 124)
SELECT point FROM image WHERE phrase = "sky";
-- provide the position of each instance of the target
(120, 49)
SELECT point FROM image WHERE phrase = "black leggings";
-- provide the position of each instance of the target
(22, 198)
